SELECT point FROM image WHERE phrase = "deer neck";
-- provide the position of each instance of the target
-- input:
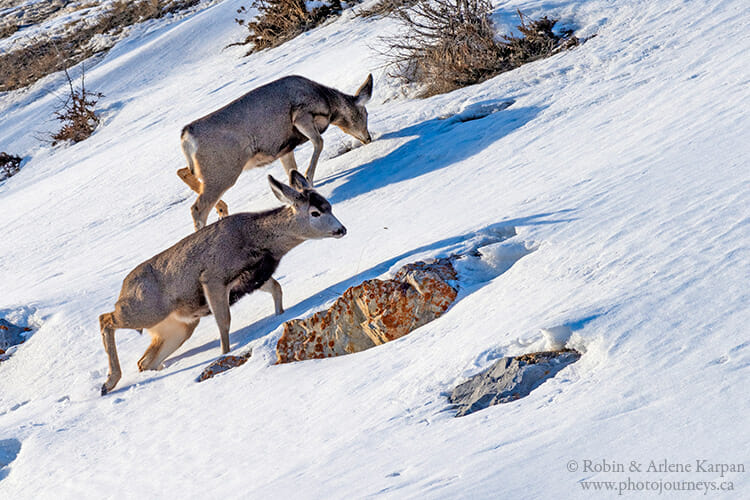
(283, 227)
(338, 103)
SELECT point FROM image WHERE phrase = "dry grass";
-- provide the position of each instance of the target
(42, 56)
(281, 20)
(386, 8)
(39, 58)
(449, 44)
(9, 165)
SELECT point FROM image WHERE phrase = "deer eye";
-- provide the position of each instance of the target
(315, 213)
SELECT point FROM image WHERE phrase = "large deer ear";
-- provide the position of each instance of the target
(364, 92)
(298, 181)
(284, 193)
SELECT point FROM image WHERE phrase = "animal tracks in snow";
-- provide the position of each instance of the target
(737, 357)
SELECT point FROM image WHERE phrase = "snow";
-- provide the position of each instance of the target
(556, 337)
(622, 163)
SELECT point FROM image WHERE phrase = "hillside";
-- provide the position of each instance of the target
(622, 163)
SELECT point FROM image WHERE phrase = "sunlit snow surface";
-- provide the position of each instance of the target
(622, 163)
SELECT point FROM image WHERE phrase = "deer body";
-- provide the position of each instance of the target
(210, 270)
(264, 125)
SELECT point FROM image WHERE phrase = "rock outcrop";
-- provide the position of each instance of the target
(509, 379)
(11, 335)
(223, 364)
(372, 313)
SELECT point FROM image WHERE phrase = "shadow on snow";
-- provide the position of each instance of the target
(438, 143)
(444, 248)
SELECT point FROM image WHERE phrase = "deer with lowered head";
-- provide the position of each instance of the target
(265, 124)
(210, 270)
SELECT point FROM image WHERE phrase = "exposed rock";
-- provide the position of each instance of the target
(9, 165)
(372, 313)
(510, 379)
(11, 334)
(378, 311)
(223, 364)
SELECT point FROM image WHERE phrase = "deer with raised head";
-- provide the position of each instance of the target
(265, 124)
(210, 270)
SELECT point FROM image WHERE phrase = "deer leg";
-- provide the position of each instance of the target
(274, 288)
(206, 199)
(289, 164)
(217, 296)
(107, 327)
(193, 183)
(305, 123)
(147, 360)
(180, 332)
(167, 337)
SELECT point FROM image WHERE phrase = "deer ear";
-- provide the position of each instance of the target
(299, 182)
(364, 92)
(284, 193)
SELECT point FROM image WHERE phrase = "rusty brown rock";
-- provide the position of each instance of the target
(11, 334)
(372, 313)
(223, 364)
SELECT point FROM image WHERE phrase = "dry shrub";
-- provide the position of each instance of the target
(9, 165)
(448, 44)
(177, 6)
(8, 29)
(77, 113)
(42, 56)
(386, 8)
(538, 41)
(281, 20)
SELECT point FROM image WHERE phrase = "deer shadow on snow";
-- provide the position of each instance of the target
(439, 143)
(441, 248)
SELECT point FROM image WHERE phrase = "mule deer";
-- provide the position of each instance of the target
(211, 269)
(265, 124)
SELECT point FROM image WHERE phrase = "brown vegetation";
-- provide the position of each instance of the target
(538, 41)
(281, 20)
(77, 113)
(448, 44)
(8, 29)
(386, 8)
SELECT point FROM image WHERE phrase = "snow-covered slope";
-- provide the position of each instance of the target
(623, 162)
